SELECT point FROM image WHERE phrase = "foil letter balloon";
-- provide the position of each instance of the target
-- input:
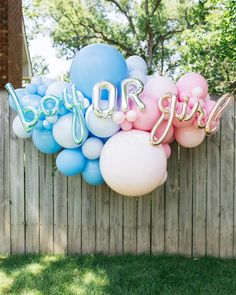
(131, 89)
(112, 98)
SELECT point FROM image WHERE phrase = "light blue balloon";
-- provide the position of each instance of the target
(31, 88)
(20, 93)
(32, 100)
(92, 173)
(39, 125)
(42, 90)
(45, 142)
(70, 162)
(94, 63)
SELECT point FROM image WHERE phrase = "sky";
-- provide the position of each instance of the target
(42, 45)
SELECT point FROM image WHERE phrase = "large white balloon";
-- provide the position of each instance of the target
(57, 88)
(18, 128)
(36, 80)
(98, 126)
(130, 165)
(138, 75)
(92, 148)
(136, 63)
(62, 132)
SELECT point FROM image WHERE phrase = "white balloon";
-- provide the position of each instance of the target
(138, 75)
(130, 165)
(136, 63)
(92, 148)
(62, 132)
(164, 179)
(52, 119)
(48, 81)
(57, 88)
(18, 128)
(99, 126)
(36, 80)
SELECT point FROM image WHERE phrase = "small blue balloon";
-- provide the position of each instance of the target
(31, 88)
(45, 142)
(92, 173)
(70, 162)
(42, 90)
(20, 93)
(94, 63)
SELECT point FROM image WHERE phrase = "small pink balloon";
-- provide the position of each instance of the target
(146, 119)
(158, 86)
(189, 136)
(131, 116)
(118, 117)
(167, 149)
(161, 130)
(126, 125)
(172, 139)
(192, 83)
(209, 105)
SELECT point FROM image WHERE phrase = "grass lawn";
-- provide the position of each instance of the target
(97, 274)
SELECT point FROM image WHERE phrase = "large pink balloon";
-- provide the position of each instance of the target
(189, 136)
(130, 165)
(158, 86)
(192, 84)
(146, 119)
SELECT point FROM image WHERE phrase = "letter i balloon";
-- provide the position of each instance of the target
(113, 123)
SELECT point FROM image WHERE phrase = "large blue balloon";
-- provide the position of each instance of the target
(92, 173)
(45, 142)
(70, 162)
(94, 63)
(32, 100)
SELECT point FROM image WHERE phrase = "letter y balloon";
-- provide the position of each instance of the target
(113, 123)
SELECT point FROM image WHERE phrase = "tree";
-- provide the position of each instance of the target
(39, 65)
(209, 45)
(142, 27)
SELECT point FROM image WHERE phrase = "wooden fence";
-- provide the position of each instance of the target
(194, 213)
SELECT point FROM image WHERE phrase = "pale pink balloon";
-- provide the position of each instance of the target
(209, 105)
(130, 165)
(118, 117)
(158, 86)
(146, 119)
(126, 125)
(192, 84)
(164, 179)
(131, 116)
(161, 130)
(172, 139)
(189, 136)
(167, 149)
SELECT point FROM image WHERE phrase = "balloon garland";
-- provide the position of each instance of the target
(114, 123)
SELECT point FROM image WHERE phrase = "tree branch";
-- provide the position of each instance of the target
(125, 13)
(157, 4)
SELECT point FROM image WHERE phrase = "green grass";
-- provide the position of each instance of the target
(119, 275)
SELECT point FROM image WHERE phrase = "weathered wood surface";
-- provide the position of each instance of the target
(194, 213)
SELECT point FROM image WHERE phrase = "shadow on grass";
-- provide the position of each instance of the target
(97, 274)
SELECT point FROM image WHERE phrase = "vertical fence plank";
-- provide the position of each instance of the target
(88, 218)
(213, 194)
(234, 233)
(143, 224)
(158, 220)
(185, 202)
(17, 192)
(116, 223)
(74, 214)
(102, 219)
(4, 175)
(227, 184)
(130, 225)
(172, 200)
(199, 199)
(31, 198)
(60, 213)
(46, 203)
